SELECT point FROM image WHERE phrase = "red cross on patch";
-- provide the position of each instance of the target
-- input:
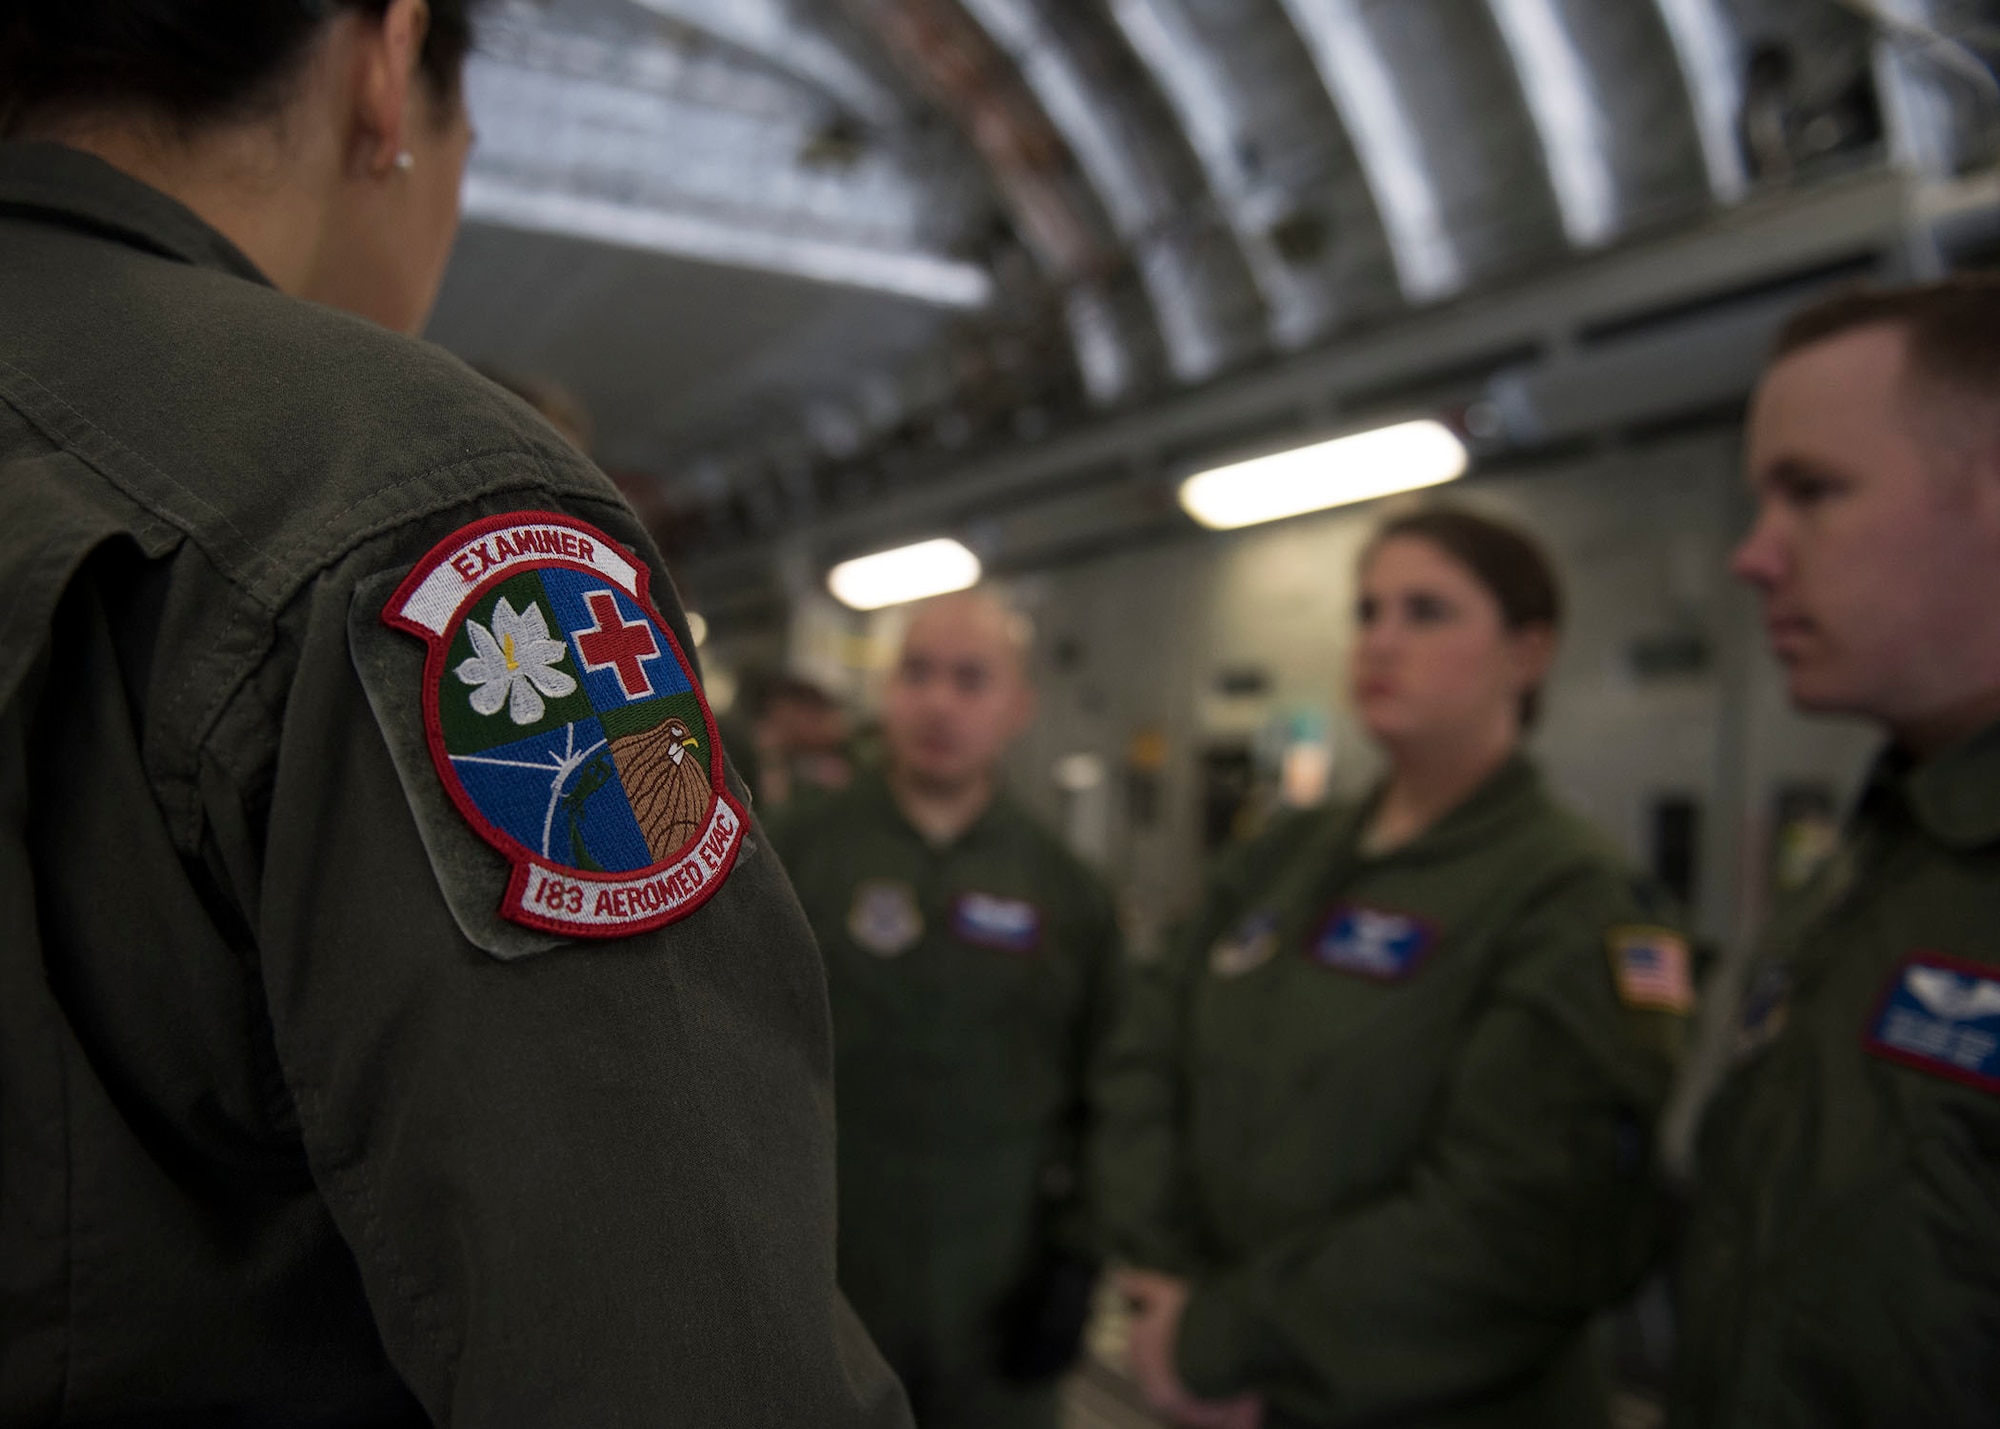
(612, 644)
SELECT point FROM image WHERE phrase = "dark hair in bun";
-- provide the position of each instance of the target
(193, 62)
(1509, 562)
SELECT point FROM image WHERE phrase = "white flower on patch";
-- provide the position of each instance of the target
(514, 664)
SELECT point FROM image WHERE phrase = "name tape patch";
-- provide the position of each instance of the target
(988, 920)
(1376, 943)
(1652, 969)
(566, 725)
(1941, 1015)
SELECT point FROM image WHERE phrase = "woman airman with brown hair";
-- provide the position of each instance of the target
(1377, 1129)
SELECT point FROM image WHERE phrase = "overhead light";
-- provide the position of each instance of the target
(1079, 773)
(697, 626)
(1360, 467)
(907, 573)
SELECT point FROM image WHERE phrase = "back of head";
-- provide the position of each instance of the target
(558, 405)
(802, 715)
(190, 63)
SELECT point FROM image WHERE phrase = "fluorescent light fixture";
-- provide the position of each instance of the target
(907, 573)
(1361, 467)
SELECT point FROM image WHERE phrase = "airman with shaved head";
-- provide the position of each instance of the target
(1843, 1257)
(969, 960)
(958, 699)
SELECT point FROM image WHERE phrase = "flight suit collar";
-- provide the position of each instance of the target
(55, 183)
(1513, 784)
(874, 787)
(1954, 796)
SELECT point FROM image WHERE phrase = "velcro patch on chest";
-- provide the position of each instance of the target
(1377, 943)
(1766, 1009)
(884, 917)
(1246, 947)
(1652, 970)
(1941, 1015)
(988, 920)
(565, 723)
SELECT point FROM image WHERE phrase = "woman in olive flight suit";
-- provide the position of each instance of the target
(1377, 1129)
(339, 1083)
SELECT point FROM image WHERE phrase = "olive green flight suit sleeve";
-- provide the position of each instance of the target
(591, 1185)
(1533, 1206)
(1139, 1174)
(1044, 1318)
(1078, 1232)
(1138, 1168)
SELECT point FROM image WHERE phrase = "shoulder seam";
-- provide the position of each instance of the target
(263, 576)
(546, 478)
(21, 390)
(202, 727)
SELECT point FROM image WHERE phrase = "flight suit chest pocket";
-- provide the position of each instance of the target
(1015, 956)
(1307, 1032)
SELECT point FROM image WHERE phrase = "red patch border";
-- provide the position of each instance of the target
(1874, 1046)
(1433, 935)
(513, 904)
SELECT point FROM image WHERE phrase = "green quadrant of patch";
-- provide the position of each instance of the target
(466, 731)
(637, 719)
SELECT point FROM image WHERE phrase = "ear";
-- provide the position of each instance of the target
(1983, 477)
(387, 54)
(1026, 703)
(1533, 648)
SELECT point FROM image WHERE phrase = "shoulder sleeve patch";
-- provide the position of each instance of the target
(560, 723)
(1652, 970)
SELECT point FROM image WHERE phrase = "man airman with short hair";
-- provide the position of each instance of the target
(969, 960)
(1843, 1259)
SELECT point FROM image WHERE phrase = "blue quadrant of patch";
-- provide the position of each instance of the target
(1371, 942)
(578, 618)
(1942, 1019)
(559, 795)
(987, 920)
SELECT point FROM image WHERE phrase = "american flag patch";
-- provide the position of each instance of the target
(1650, 966)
